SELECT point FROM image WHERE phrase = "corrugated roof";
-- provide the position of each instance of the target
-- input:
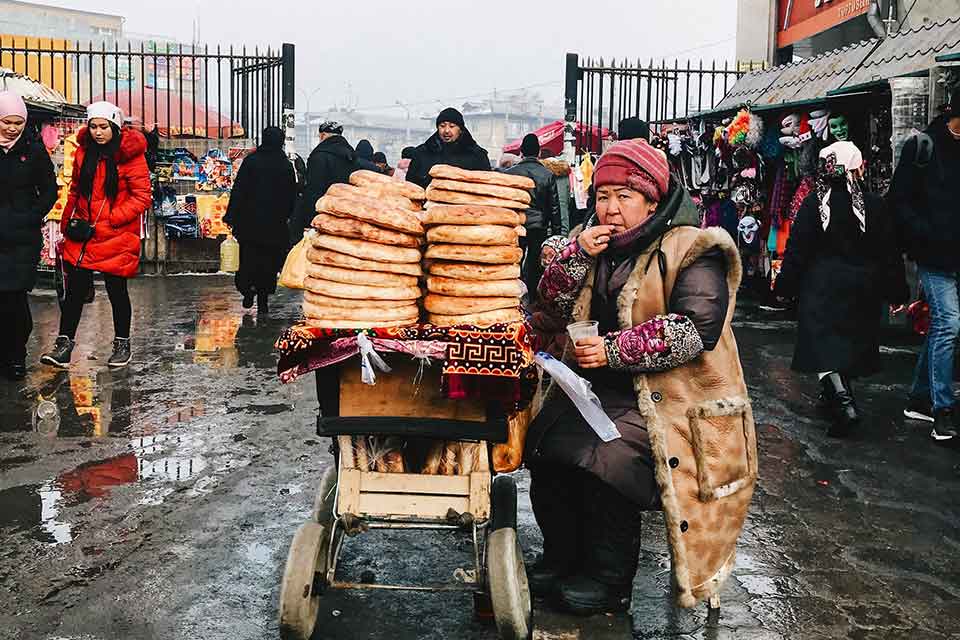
(749, 88)
(909, 52)
(812, 78)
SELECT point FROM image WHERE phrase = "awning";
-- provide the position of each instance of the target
(38, 97)
(551, 138)
(179, 117)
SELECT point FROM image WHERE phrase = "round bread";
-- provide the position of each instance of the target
(347, 304)
(372, 190)
(484, 319)
(318, 312)
(495, 191)
(366, 250)
(446, 172)
(359, 291)
(481, 234)
(373, 211)
(468, 215)
(353, 228)
(454, 306)
(358, 324)
(455, 197)
(335, 259)
(468, 288)
(521, 231)
(367, 278)
(363, 178)
(473, 253)
(462, 271)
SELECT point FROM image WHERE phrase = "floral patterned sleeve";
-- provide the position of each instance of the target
(563, 279)
(659, 344)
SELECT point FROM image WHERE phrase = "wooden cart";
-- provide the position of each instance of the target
(403, 403)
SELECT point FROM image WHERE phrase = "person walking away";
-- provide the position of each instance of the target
(365, 156)
(452, 144)
(28, 189)
(331, 162)
(561, 169)
(109, 192)
(261, 203)
(400, 172)
(924, 196)
(667, 372)
(843, 263)
(543, 216)
(380, 159)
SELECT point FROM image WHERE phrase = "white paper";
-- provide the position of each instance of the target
(580, 392)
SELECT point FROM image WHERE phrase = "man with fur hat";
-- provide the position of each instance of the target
(452, 144)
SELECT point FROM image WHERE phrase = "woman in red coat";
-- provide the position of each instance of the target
(109, 192)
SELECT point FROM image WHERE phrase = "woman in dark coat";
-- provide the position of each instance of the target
(843, 263)
(261, 203)
(28, 188)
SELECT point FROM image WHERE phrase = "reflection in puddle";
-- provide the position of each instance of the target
(33, 508)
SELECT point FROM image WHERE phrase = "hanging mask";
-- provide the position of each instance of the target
(790, 125)
(840, 128)
(819, 123)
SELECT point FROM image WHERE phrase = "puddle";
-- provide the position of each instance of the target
(33, 509)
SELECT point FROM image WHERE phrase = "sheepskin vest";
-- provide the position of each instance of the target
(699, 420)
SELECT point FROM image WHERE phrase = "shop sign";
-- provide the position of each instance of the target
(801, 19)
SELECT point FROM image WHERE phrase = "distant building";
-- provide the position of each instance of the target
(45, 21)
(386, 133)
(501, 120)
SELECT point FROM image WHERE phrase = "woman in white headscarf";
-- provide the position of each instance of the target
(843, 263)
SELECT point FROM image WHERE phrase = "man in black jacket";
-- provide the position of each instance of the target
(924, 196)
(365, 156)
(330, 162)
(543, 216)
(452, 144)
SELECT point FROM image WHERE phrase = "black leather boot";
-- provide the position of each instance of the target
(840, 406)
(546, 574)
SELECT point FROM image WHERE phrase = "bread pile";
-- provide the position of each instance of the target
(474, 221)
(364, 261)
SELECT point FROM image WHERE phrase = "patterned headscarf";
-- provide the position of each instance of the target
(839, 161)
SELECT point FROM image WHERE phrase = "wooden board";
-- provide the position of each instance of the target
(399, 504)
(396, 395)
(414, 483)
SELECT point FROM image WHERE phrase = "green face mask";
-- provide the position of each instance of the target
(839, 128)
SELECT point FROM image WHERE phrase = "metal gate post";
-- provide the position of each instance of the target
(288, 84)
(571, 79)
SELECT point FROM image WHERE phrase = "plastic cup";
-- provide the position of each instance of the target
(580, 330)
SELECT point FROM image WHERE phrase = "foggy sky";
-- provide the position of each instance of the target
(428, 52)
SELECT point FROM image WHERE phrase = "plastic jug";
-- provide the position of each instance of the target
(229, 255)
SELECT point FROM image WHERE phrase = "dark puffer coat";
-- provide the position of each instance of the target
(330, 162)
(465, 153)
(28, 189)
(263, 197)
(544, 211)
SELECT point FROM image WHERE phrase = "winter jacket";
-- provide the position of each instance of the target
(924, 200)
(28, 189)
(115, 246)
(262, 200)
(544, 211)
(561, 171)
(365, 157)
(465, 153)
(330, 162)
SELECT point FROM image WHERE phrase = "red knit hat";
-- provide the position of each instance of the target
(637, 165)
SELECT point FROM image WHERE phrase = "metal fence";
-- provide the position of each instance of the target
(184, 90)
(599, 95)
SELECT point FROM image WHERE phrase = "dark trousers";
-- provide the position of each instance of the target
(259, 266)
(587, 525)
(532, 270)
(79, 281)
(16, 324)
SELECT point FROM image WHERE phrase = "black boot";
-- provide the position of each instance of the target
(546, 575)
(559, 515)
(121, 353)
(59, 356)
(263, 303)
(840, 406)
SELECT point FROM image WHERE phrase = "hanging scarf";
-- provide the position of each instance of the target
(838, 161)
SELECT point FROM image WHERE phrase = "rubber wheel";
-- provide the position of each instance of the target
(323, 503)
(509, 590)
(299, 593)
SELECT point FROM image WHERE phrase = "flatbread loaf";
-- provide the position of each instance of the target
(455, 197)
(357, 324)
(346, 303)
(336, 259)
(492, 190)
(366, 250)
(465, 214)
(446, 172)
(483, 234)
(402, 312)
(484, 319)
(359, 291)
(373, 211)
(468, 288)
(373, 190)
(368, 278)
(353, 228)
(462, 271)
(455, 306)
(473, 253)
(409, 190)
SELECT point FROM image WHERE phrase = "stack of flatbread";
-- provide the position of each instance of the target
(474, 221)
(364, 261)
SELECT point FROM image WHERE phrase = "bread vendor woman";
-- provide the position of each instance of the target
(666, 370)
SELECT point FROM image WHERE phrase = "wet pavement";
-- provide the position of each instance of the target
(162, 503)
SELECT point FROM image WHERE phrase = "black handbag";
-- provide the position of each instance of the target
(80, 230)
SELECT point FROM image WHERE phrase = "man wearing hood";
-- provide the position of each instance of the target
(330, 162)
(365, 157)
(452, 144)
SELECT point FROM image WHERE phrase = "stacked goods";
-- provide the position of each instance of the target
(364, 260)
(390, 454)
(474, 223)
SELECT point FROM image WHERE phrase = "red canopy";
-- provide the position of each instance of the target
(551, 138)
(197, 121)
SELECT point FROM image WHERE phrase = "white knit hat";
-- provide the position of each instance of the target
(107, 111)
